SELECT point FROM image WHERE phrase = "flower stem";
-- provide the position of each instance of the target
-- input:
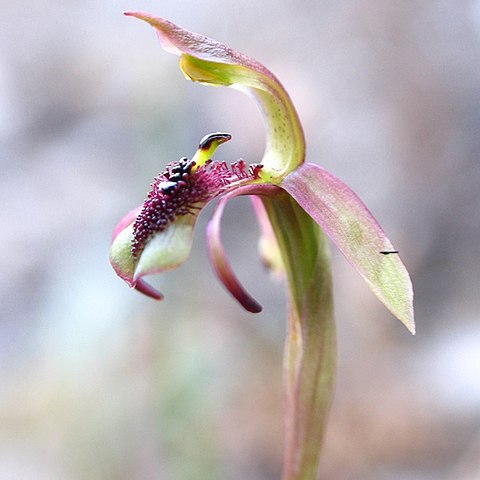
(309, 357)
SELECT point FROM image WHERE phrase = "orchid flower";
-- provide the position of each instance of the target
(295, 202)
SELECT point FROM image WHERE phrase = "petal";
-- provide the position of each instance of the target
(126, 221)
(267, 244)
(210, 62)
(122, 259)
(343, 216)
(143, 287)
(216, 252)
(167, 249)
(121, 256)
(164, 251)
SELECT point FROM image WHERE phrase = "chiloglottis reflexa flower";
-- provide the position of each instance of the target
(157, 236)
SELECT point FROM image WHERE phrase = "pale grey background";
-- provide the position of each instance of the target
(98, 382)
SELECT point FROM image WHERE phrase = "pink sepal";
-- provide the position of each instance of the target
(216, 252)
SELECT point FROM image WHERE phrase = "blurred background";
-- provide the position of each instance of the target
(99, 382)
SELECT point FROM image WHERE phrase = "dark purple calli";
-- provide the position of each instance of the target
(157, 236)
(295, 203)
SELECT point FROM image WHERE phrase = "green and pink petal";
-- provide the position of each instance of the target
(356, 233)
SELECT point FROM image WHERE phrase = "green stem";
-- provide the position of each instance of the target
(309, 359)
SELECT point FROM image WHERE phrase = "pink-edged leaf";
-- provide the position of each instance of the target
(216, 252)
(208, 61)
(350, 225)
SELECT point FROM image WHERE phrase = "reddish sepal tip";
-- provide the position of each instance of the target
(143, 287)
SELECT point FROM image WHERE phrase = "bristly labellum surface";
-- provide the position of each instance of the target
(182, 189)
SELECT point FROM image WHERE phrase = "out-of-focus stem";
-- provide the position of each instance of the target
(309, 358)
